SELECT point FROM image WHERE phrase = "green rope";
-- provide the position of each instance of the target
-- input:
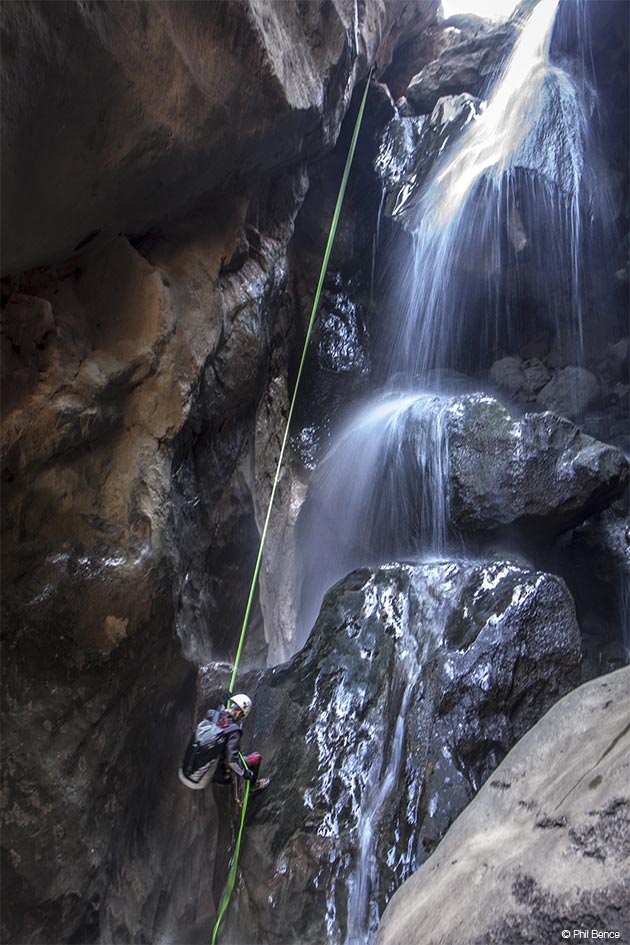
(329, 245)
(331, 236)
(229, 886)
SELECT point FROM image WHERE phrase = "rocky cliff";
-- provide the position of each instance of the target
(169, 170)
(154, 160)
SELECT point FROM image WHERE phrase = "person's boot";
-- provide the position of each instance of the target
(261, 784)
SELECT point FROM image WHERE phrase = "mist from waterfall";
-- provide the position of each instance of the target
(381, 493)
(503, 223)
(500, 231)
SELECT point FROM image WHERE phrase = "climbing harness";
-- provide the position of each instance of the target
(331, 236)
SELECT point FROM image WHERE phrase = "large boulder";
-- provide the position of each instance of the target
(539, 472)
(243, 89)
(543, 849)
(570, 392)
(411, 689)
(465, 67)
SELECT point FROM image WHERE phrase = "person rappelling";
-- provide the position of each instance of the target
(214, 749)
(215, 745)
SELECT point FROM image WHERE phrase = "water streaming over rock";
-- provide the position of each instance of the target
(494, 195)
(380, 494)
(504, 222)
(383, 775)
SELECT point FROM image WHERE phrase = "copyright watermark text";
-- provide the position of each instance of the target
(591, 934)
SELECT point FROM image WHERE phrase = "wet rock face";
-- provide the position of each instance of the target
(118, 392)
(89, 731)
(594, 559)
(413, 686)
(539, 471)
(549, 835)
(410, 147)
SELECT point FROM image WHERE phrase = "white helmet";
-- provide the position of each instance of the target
(243, 703)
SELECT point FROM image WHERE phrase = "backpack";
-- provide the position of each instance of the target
(209, 733)
(205, 748)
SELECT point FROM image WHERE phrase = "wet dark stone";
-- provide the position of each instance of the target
(467, 67)
(411, 146)
(414, 684)
(540, 471)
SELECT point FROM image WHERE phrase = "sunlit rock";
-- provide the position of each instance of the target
(543, 848)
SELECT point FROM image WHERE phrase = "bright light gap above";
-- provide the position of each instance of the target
(496, 10)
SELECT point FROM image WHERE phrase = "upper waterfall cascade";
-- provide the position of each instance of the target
(503, 207)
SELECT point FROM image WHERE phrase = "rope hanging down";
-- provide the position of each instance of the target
(229, 886)
(329, 244)
(331, 237)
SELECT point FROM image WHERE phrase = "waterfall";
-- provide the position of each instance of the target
(497, 231)
(498, 245)
(381, 493)
(361, 764)
(363, 882)
(502, 205)
(499, 134)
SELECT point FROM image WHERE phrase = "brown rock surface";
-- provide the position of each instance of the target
(545, 844)
(118, 115)
(153, 165)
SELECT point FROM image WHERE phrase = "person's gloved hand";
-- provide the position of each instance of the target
(248, 774)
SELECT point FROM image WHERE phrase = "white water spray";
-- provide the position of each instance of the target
(501, 208)
(380, 494)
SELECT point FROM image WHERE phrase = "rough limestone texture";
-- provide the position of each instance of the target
(414, 684)
(466, 67)
(142, 109)
(539, 472)
(545, 845)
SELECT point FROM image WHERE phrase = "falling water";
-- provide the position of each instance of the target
(363, 882)
(376, 240)
(501, 206)
(380, 494)
(497, 231)
(497, 221)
